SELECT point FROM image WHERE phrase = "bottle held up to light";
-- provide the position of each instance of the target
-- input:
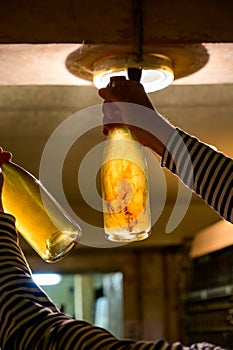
(125, 190)
(39, 217)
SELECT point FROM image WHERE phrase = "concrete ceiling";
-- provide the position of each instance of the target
(38, 93)
(98, 22)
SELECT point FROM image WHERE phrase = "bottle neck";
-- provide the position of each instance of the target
(120, 132)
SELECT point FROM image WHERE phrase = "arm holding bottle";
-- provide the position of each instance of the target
(123, 99)
(206, 172)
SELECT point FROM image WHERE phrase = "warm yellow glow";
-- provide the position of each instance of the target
(46, 228)
(125, 188)
(125, 192)
(212, 238)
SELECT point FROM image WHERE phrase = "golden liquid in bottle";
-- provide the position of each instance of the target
(125, 189)
(45, 227)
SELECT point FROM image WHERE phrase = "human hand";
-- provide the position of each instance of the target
(122, 90)
(4, 157)
(125, 102)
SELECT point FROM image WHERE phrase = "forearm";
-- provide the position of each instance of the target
(149, 127)
(20, 298)
(28, 319)
(206, 172)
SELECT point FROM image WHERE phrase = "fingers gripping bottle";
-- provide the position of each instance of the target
(125, 190)
(39, 218)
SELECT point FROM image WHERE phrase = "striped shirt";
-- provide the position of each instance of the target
(205, 171)
(30, 321)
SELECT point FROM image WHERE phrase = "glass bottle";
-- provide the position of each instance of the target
(125, 192)
(39, 217)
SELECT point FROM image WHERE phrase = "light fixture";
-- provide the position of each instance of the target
(47, 279)
(160, 64)
(157, 70)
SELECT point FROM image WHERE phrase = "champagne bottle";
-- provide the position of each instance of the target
(39, 218)
(125, 190)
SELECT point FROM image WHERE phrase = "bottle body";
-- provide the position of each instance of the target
(125, 190)
(39, 218)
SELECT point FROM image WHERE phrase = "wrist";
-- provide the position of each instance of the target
(160, 130)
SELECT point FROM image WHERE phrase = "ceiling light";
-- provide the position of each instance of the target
(157, 71)
(159, 65)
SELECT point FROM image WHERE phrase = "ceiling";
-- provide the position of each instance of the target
(38, 94)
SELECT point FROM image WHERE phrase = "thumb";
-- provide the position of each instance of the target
(105, 94)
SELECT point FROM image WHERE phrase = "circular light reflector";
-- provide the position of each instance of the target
(157, 72)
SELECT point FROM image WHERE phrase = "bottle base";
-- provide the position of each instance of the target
(59, 245)
(127, 237)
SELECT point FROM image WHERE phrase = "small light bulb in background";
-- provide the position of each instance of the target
(47, 279)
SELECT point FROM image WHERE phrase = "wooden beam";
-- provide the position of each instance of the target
(167, 21)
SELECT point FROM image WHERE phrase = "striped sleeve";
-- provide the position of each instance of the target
(205, 171)
(29, 320)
